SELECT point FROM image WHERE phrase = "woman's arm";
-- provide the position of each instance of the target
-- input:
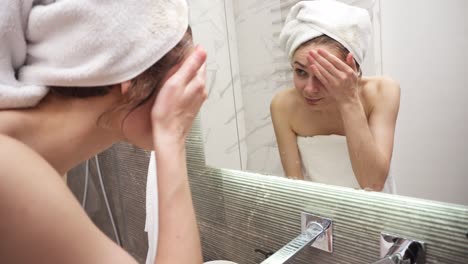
(40, 220)
(285, 137)
(370, 143)
(179, 240)
(173, 113)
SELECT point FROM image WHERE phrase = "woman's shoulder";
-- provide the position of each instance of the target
(380, 85)
(284, 100)
(10, 144)
(16, 157)
(381, 88)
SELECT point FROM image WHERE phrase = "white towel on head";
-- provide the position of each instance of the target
(13, 21)
(81, 43)
(152, 221)
(349, 25)
(366, 4)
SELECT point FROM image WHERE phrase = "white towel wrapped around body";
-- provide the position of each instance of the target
(325, 159)
(81, 43)
(349, 25)
(152, 210)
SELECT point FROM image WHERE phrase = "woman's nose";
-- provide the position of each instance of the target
(312, 85)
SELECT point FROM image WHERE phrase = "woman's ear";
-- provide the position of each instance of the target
(125, 86)
(351, 62)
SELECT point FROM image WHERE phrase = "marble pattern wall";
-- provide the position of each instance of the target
(222, 121)
(263, 71)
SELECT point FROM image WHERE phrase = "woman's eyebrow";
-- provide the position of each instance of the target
(300, 64)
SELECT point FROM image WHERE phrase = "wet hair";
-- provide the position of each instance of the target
(143, 87)
(333, 44)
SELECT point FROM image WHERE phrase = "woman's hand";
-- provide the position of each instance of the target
(179, 100)
(340, 79)
(176, 106)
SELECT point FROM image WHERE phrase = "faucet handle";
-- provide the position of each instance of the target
(402, 250)
(313, 228)
(325, 241)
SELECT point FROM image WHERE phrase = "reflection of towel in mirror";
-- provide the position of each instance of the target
(151, 222)
(325, 159)
(366, 4)
(349, 25)
(81, 43)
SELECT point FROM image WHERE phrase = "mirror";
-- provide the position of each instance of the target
(420, 44)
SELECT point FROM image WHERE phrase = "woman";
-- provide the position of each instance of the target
(334, 126)
(161, 90)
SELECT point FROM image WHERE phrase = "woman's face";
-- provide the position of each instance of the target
(305, 82)
(137, 126)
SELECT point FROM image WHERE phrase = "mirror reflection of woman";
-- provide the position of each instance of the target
(335, 126)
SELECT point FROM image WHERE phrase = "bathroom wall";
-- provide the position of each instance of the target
(262, 73)
(424, 47)
(123, 169)
(222, 116)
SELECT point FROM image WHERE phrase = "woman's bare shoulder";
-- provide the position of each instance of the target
(379, 85)
(381, 88)
(16, 157)
(283, 100)
(34, 200)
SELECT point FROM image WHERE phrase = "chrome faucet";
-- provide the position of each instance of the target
(313, 228)
(398, 250)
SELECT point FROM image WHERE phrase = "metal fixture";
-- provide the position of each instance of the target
(104, 194)
(267, 254)
(323, 242)
(314, 228)
(399, 250)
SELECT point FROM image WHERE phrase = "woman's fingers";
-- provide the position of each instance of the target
(325, 63)
(338, 77)
(189, 68)
(339, 71)
(318, 68)
(174, 96)
(335, 61)
(322, 75)
(196, 89)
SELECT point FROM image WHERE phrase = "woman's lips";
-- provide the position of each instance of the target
(313, 101)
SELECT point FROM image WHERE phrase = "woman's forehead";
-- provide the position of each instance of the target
(301, 54)
(303, 51)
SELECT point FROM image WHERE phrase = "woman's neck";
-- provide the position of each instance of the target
(65, 131)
